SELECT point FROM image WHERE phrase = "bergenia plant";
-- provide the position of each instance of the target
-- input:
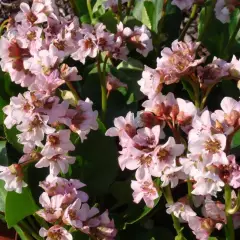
(121, 121)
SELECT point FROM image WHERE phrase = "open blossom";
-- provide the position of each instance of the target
(54, 185)
(77, 213)
(125, 129)
(34, 129)
(211, 145)
(82, 119)
(52, 210)
(13, 178)
(58, 143)
(145, 190)
(150, 83)
(57, 163)
(113, 83)
(181, 210)
(183, 4)
(201, 227)
(165, 155)
(178, 61)
(55, 232)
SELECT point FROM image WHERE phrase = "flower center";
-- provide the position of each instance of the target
(54, 140)
(213, 146)
(145, 160)
(31, 35)
(31, 17)
(59, 45)
(162, 154)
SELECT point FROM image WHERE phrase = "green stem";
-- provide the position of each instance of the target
(190, 189)
(207, 19)
(129, 6)
(168, 196)
(237, 205)
(30, 231)
(204, 99)
(191, 19)
(119, 10)
(73, 90)
(102, 76)
(195, 90)
(89, 7)
(232, 38)
(230, 234)
(32, 223)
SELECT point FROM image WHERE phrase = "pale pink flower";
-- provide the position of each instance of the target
(180, 210)
(55, 232)
(183, 4)
(235, 67)
(58, 143)
(178, 61)
(208, 183)
(69, 74)
(150, 83)
(187, 111)
(68, 188)
(171, 176)
(13, 178)
(34, 129)
(33, 15)
(47, 84)
(82, 119)
(125, 129)
(201, 227)
(165, 155)
(214, 210)
(87, 47)
(73, 216)
(52, 210)
(112, 4)
(144, 190)
(141, 38)
(113, 83)
(57, 163)
(211, 144)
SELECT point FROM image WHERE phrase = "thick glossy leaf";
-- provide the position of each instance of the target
(12, 138)
(236, 140)
(69, 97)
(110, 21)
(149, 13)
(2, 104)
(3, 194)
(98, 166)
(97, 5)
(3, 154)
(20, 232)
(19, 206)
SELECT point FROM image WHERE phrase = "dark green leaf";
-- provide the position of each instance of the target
(236, 140)
(3, 154)
(109, 19)
(99, 164)
(12, 138)
(188, 88)
(19, 206)
(2, 104)
(20, 232)
(3, 194)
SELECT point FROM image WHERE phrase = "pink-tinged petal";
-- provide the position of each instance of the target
(25, 7)
(44, 200)
(112, 132)
(142, 174)
(228, 104)
(43, 232)
(132, 164)
(222, 139)
(137, 196)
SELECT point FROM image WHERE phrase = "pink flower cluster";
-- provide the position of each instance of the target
(33, 51)
(65, 205)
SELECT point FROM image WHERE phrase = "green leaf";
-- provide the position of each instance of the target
(212, 238)
(3, 194)
(229, 88)
(3, 103)
(188, 88)
(99, 164)
(110, 21)
(3, 154)
(236, 140)
(12, 138)
(97, 5)
(19, 206)
(20, 232)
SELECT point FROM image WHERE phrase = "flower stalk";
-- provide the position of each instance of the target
(169, 198)
(89, 7)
